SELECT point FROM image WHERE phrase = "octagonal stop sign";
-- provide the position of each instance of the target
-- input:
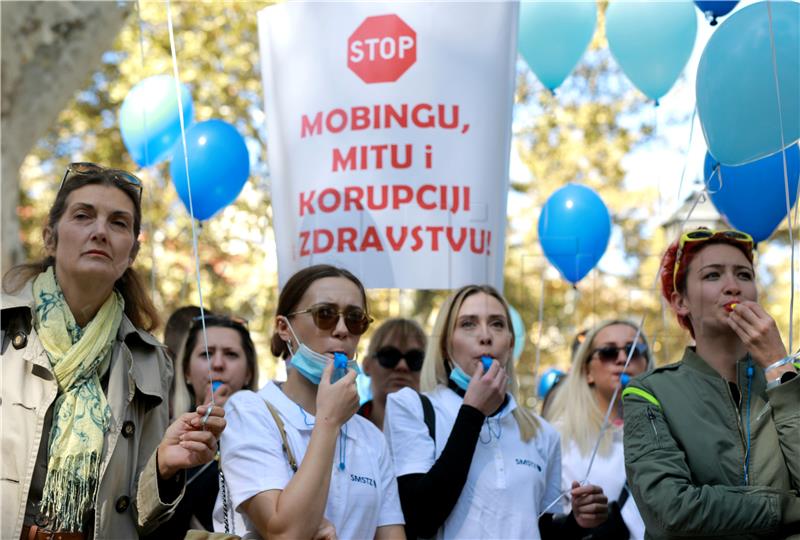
(381, 49)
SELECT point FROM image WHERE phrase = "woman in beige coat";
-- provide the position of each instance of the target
(87, 450)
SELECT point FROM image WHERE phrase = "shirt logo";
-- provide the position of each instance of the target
(529, 463)
(363, 480)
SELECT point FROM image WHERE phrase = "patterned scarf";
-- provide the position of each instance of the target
(81, 416)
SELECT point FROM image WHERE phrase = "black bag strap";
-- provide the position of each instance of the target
(429, 416)
(623, 495)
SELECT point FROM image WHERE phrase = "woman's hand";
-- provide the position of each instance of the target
(187, 444)
(589, 505)
(758, 331)
(220, 396)
(338, 402)
(486, 391)
(326, 531)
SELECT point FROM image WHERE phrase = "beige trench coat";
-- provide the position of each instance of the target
(127, 502)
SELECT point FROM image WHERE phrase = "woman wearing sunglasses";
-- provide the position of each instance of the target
(231, 365)
(343, 484)
(711, 442)
(577, 411)
(87, 449)
(394, 360)
(487, 467)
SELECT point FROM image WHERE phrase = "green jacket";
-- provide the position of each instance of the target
(685, 445)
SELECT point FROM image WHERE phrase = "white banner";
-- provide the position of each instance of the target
(389, 129)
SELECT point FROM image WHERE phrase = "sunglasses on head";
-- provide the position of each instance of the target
(702, 235)
(75, 170)
(326, 317)
(389, 357)
(610, 353)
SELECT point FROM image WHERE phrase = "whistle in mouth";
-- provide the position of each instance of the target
(487, 362)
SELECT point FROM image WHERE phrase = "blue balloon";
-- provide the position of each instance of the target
(737, 100)
(149, 119)
(219, 165)
(752, 197)
(574, 229)
(548, 380)
(652, 41)
(553, 36)
(519, 332)
(712, 9)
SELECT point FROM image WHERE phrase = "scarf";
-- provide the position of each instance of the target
(81, 416)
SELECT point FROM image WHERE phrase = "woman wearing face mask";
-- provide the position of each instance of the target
(88, 451)
(394, 360)
(711, 442)
(234, 366)
(578, 409)
(344, 481)
(490, 467)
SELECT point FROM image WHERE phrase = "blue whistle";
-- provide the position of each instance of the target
(624, 379)
(487, 362)
(339, 366)
(215, 385)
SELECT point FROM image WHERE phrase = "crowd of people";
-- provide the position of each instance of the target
(100, 441)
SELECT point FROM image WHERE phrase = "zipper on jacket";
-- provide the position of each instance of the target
(738, 421)
(652, 417)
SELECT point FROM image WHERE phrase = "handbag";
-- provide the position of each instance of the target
(227, 512)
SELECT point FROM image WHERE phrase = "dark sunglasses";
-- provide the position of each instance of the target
(326, 317)
(610, 353)
(389, 357)
(85, 169)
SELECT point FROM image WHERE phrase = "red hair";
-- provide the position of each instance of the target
(690, 251)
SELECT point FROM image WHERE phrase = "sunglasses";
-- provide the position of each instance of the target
(702, 235)
(610, 353)
(389, 357)
(326, 317)
(87, 169)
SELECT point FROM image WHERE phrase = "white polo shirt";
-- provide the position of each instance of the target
(608, 472)
(509, 481)
(361, 498)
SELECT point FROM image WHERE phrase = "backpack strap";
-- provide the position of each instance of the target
(429, 415)
(284, 442)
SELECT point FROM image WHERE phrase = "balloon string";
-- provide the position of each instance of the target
(688, 150)
(539, 332)
(195, 249)
(148, 226)
(785, 172)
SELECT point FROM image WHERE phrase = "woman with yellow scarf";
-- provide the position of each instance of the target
(87, 449)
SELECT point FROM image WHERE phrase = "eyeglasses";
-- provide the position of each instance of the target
(86, 169)
(212, 319)
(701, 235)
(610, 353)
(326, 317)
(389, 357)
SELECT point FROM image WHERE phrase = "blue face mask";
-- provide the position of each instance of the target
(309, 363)
(461, 379)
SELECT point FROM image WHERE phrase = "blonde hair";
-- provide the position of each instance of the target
(435, 368)
(574, 410)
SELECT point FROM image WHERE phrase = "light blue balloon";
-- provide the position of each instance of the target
(519, 332)
(149, 119)
(574, 229)
(652, 41)
(553, 36)
(752, 197)
(737, 99)
(219, 165)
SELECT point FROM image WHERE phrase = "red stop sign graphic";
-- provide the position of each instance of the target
(381, 49)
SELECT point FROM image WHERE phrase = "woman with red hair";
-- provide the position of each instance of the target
(712, 443)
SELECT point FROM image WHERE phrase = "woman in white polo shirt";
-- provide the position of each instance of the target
(344, 480)
(490, 467)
